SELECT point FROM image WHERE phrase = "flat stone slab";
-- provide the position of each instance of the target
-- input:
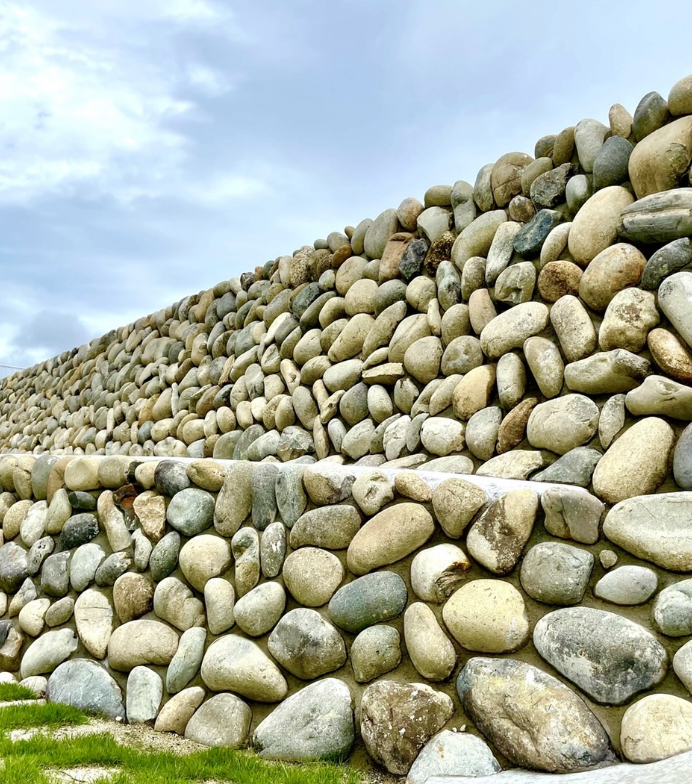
(674, 770)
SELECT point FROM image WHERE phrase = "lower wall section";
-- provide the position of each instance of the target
(443, 623)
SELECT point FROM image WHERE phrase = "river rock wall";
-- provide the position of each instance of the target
(536, 325)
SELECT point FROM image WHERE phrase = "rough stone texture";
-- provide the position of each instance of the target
(223, 720)
(88, 686)
(532, 718)
(610, 657)
(387, 708)
(453, 753)
(656, 727)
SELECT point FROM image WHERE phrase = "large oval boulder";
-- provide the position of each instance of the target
(609, 657)
(88, 686)
(532, 718)
(657, 528)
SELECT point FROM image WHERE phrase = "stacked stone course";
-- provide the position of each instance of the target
(528, 339)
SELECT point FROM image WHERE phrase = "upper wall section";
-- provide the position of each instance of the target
(542, 309)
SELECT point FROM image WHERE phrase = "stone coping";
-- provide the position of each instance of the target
(674, 770)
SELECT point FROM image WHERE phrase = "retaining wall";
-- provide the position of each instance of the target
(536, 327)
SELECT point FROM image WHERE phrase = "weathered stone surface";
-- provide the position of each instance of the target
(178, 711)
(607, 372)
(488, 616)
(556, 573)
(174, 602)
(437, 572)
(188, 657)
(93, 615)
(332, 527)
(397, 720)
(595, 225)
(675, 300)
(661, 395)
(532, 718)
(204, 557)
(233, 663)
(13, 566)
(389, 536)
(510, 329)
(316, 723)
(571, 513)
(659, 161)
(563, 424)
(658, 218)
(656, 727)
(375, 651)
(609, 657)
(456, 502)
(497, 539)
(86, 685)
(311, 575)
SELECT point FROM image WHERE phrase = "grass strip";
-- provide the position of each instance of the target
(13, 691)
(27, 760)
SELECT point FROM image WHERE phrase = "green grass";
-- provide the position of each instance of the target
(13, 691)
(25, 760)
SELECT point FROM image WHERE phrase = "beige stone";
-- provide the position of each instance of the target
(636, 463)
(488, 616)
(656, 727)
(595, 225)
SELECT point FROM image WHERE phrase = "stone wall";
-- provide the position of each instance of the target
(534, 326)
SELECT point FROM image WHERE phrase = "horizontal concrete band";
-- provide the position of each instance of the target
(493, 486)
(674, 770)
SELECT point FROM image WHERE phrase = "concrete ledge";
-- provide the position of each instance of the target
(675, 770)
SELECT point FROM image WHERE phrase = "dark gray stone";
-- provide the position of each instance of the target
(665, 261)
(263, 495)
(304, 298)
(411, 262)
(548, 189)
(81, 500)
(109, 571)
(78, 530)
(532, 718)
(609, 657)
(316, 723)
(86, 685)
(610, 166)
(170, 477)
(529, 240)
(650, 115)
(55, 575)
(370, 599)
(13, 566)
(291, 498)
(164, 556)
(574, 468)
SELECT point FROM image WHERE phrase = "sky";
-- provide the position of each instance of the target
(151, 149)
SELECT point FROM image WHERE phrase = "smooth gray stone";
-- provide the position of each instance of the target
(86, 685)
(307, 645)
(373, 598)
(675, 770)
(611, 164)
(13, 566)
(665, 261)
(682, 459)
(170, 477)
(191, 511)
(673, 609)
(55, 575)
(316, 723)
(187, 660)
(78, 530)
